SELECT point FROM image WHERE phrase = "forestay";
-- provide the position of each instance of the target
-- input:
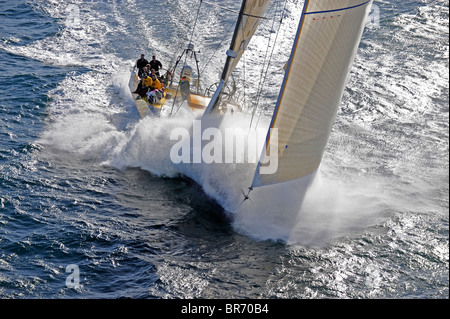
(326, 43)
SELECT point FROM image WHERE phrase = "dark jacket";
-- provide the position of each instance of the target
(141, 63)
(155, 65)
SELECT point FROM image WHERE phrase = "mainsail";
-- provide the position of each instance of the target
(328, 36)
(250, 15)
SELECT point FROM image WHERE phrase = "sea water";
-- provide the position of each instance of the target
(91, 206)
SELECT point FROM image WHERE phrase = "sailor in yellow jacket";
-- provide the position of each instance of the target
(143, 86)
(156, 85)
(147, 82)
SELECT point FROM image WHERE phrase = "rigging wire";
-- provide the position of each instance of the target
(196, 20)
(225, 36)
(267, 69)
(243, 66)
(261, 83)
(214, 53)
(237, 12)
(185, 59)
(219, 46)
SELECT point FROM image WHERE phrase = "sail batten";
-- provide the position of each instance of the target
(326, 43)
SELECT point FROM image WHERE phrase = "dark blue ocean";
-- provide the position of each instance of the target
(91, 207)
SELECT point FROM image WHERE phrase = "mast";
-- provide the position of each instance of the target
(250, 15)
(231, 54)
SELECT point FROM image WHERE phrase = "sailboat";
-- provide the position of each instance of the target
(324, 48)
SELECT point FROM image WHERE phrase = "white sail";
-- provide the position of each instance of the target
(327, 40)
(250, 16)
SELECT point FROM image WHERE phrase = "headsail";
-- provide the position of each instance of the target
(250, 16)
(327, 40)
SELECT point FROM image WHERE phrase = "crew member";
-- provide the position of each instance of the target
(155, 65)
(156, 84)
(144, 86)
(141, 62)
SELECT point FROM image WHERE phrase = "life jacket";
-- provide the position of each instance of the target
(146, 82)
(156, 85)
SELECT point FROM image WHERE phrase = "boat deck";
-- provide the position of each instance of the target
(197, 103)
